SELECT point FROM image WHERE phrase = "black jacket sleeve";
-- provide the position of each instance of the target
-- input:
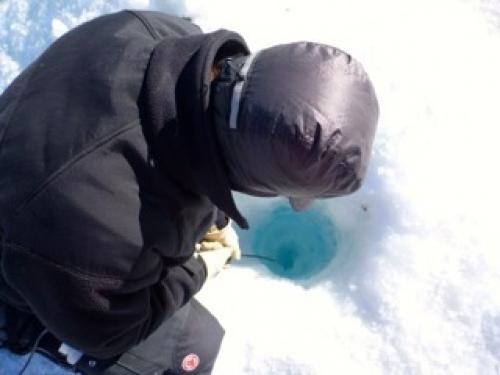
(102, 317)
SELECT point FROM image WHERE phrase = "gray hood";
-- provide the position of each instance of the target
(298, 121)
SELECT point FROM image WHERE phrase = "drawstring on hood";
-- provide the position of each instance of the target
(296, 120)
(180, 127)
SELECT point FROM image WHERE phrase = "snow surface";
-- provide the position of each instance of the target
(414, 287)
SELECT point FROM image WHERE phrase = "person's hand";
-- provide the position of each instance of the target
(214, 259)
(225, 237)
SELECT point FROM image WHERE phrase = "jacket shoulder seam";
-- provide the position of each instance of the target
(77, 272)
(71, 162)
(146, 24)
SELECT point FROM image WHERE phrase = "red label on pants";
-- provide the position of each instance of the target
(190, 362)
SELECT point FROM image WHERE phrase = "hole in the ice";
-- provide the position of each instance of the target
(294, 245)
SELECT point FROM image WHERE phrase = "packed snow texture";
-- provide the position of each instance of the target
(414, 286)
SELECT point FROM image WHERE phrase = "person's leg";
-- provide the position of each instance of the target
(13, 364)
(200, 342)
(186, 343)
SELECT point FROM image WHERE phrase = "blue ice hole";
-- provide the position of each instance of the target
(295, 245)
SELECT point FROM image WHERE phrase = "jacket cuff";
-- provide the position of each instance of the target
(221, 219)
(197, 266)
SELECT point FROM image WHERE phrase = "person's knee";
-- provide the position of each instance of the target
(200, 343)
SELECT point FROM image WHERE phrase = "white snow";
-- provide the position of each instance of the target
(9, 69)
(415, 286)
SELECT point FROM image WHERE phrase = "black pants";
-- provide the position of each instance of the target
(186, 343)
